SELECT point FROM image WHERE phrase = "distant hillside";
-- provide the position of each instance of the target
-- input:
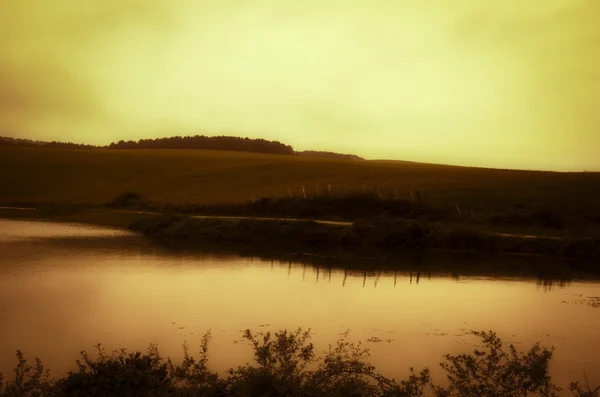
(315, 153)
(7, 141)
(228, 143)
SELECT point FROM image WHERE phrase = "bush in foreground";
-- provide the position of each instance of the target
(285, 364)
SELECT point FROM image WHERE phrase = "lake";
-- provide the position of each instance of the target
(66, 287)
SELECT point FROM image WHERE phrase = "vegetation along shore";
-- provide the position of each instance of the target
(285, 363)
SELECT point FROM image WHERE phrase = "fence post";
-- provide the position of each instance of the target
(378, 192)
(303, 191)
(329, 188)
(317, 188)
(289, 192)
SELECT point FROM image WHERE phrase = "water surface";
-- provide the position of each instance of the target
(64, 288)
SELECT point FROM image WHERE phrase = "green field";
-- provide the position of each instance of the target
(41, 175)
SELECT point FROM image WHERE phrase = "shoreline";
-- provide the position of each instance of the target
(382, 235)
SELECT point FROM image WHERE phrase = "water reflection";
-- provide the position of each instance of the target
(60, 295)
(373, 278)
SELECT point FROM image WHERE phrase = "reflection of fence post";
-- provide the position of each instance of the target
(317, 188)
(364, 188)
(345, 191)
(412, 197)
(395, 193)
(458, 209)
(329, 188)
(303, 191)
(419, 197)
(253, 200)
(289, 192)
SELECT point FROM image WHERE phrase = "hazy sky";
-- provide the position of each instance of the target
(503, 83)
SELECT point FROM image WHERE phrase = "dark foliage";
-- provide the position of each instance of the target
(228, 143)
(119, 373)
(541, 218)
(208, 143)
(317, 153)
(286, 233)
(383, 232)
(285, 364)
(498, 371)
(346, 208)
(20, 142)
(388, 232)
(127, 200)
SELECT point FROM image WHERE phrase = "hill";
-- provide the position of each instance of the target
(230, 143)
(202, 176)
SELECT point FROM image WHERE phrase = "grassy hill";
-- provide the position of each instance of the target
(42, 175)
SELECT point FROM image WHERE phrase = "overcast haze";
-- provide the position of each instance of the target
(505, 83)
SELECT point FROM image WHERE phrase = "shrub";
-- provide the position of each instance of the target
(120, 373)
(543, 218)
(285, 364)
(388, 232)
(28, 381)
(126, 200)
(499, 372)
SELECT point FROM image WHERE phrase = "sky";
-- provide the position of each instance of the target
(494, 83)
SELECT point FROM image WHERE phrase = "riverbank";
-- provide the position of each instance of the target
(384, 234)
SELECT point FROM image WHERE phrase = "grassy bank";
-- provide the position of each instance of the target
(383, 233)
(285, 364)
(415, 230)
